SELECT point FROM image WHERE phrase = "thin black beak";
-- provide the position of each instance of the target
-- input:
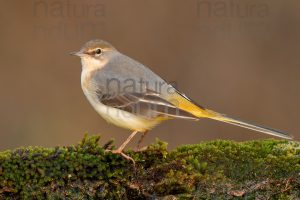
(77, 53)
(73, 53)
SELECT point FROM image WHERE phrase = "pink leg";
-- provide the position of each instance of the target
(121, 148)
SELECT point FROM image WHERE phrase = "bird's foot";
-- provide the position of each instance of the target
(118, 151)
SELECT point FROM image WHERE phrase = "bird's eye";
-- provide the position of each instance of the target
(98, 51)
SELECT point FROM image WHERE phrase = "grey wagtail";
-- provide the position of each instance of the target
(128, 94)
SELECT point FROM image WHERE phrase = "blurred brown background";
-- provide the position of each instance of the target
(236, 57)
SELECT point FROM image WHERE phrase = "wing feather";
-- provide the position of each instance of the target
(147, 105)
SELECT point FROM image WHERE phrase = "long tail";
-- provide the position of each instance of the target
(262, 129)
(186, 104)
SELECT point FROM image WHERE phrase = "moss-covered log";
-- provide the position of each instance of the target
(267, 169)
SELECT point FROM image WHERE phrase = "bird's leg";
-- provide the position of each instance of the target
(141, 140)
(120, 149)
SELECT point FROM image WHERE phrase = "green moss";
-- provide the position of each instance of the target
(267, 169)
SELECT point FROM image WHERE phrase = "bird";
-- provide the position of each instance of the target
(128, 94)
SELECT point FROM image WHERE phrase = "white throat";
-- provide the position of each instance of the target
(90, 63)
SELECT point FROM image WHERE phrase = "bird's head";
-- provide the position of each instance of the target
(95, 53)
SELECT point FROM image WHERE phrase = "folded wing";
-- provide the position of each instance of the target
(148, 104)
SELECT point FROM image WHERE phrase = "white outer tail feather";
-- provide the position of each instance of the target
(251, 126)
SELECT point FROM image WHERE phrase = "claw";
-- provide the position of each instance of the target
(120, 149)
(117, 151)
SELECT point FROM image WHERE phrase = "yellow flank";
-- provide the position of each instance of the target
(188, 106)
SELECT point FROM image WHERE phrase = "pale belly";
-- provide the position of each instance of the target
(121, 118)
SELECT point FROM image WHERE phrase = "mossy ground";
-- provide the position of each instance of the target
(267, 169)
